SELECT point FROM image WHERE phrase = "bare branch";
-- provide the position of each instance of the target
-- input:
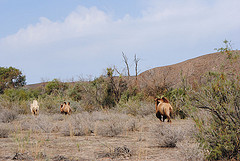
(212, 110)
(136, 60)
(125, 59)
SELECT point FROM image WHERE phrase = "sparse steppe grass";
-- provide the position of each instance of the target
(95, 136)
(7, 115)
(5, 130)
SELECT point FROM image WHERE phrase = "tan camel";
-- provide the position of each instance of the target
(65, 108)
(34, 108)
(163, 108)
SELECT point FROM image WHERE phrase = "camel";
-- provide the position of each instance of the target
(65, 108)
(163, 108)
(34, 108)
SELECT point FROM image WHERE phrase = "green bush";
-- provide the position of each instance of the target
(76, 92)
(178, 98)
(219, 135)
(56, 87)
(51, 104)
(16, 94)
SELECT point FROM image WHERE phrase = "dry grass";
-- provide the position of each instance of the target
(99, 124)
(164, 135)
(7, 116)
(41, 123)
(136, 108)
(4, 132)
(190, 150)
(108, 128)
(78, 125)
(97, 136)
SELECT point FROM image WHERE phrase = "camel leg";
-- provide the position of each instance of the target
(169, 119)
(159, 116)
(164, 117)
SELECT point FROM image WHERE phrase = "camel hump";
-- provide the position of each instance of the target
(165, 100)
(35, 103)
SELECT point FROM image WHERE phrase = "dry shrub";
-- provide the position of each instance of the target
(50, 104)
(78, 125)
(122, 152)
(57, 117)
(134, 107)
(118, 153)
(7, 116)
(22, 156)
(40, 123)
(20, 107)
(59, 158)
(100, 115)
(108, 128)
(104, 123)
(131, 124)
(191, 150)
(163, 135)
(112, 124)
(4, 132)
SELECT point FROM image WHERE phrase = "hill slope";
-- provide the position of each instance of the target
(192, 70)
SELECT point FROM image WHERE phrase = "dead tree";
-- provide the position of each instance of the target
(136, 60)
(125, 59)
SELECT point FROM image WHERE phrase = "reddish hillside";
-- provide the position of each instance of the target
(192, 70)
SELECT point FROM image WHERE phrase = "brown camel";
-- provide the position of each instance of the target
(163, 108)
(65, 108)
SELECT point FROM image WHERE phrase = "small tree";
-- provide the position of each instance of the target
(11, 78)
(109, 94)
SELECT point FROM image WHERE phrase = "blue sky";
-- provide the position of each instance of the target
(68, 39)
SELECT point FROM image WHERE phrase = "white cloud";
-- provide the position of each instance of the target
(80, 22)
(90, 39)
(161, 19)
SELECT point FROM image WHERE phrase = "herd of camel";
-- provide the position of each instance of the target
(163, 108)
(64, 108)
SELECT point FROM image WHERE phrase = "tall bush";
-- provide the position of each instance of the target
(220, 135)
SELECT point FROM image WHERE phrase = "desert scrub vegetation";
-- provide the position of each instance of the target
(80, 124)
(116, 153)
(219, 97)
(220, 134)
(165, 135)
(99, 123)
(136, 107)
(4, 131)
(7, 115)
(112, 105)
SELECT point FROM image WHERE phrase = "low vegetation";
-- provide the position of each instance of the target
(113, 106)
